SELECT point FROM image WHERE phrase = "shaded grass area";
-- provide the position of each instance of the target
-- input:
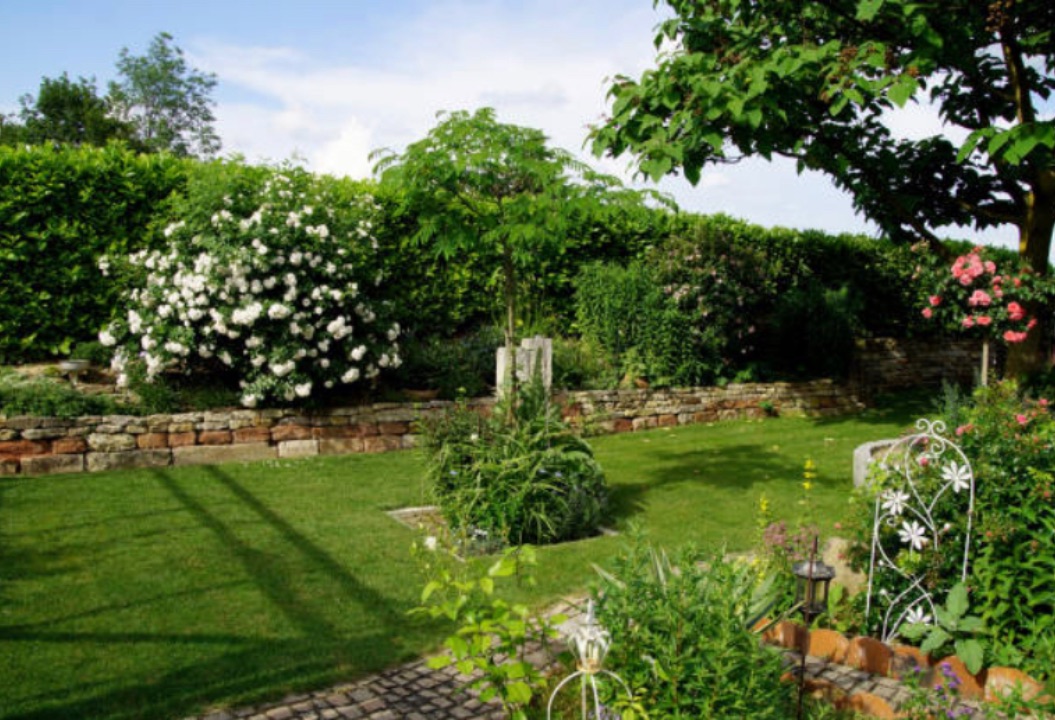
(161, 593)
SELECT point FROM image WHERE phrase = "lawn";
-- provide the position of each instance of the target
(160, 593)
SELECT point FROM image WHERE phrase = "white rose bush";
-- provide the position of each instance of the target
(277, 284)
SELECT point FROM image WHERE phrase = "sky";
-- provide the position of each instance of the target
(325, 82)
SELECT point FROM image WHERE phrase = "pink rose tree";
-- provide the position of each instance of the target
(974, 296)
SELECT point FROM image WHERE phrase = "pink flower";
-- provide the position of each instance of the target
(964, 429)
(990, 267)
(1015, 311)
(1043, 402)
(984, 320)
(1014, 337)
(928, 313)
(998, 291)
(1031, 324)
(968, 322)
(934, 300)
(979, 298)
(1022, 419)
(1017, 282)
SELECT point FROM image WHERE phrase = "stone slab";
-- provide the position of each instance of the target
(219, 454)
(340, 446)
(111, 442)
(298, 448)
(126, 460)
(53, 464)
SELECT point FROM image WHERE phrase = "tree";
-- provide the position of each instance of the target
(70, 112)
(166, 101)
(478, 185)
(814, 80)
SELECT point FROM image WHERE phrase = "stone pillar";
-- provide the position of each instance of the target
(534, 359)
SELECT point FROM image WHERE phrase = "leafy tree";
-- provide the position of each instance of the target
(12, 132)
(166, 101)
(814, 80)
(478, 185)
(70, 112)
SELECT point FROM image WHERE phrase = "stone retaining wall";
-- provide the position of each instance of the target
(886, 364)
(40, 446)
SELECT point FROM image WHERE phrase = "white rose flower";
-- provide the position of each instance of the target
(303, 390)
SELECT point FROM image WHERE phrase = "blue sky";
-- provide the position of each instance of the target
(327, 81)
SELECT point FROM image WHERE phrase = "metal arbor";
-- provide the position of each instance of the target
(924, 502)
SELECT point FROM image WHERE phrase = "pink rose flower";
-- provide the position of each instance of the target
(934, 300)
(979, 298)
(1015, 311)
(968, 322)
(928, 313)
(1022, 419)
(990, 267)
(984, 320)
(1014, 337)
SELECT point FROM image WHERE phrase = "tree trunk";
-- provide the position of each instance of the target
(1034, 246)
(509, 273)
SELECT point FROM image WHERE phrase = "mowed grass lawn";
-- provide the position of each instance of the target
(162, 593)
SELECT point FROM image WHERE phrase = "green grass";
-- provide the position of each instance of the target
(160, 593)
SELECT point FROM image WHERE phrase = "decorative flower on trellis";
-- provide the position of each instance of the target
(918, 527)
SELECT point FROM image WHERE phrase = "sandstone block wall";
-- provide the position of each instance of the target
(42, 446)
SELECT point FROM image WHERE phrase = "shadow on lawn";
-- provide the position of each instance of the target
(236, 665)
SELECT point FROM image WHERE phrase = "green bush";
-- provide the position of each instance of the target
(61, 210)
(44, 397)
(681, 636)
(456, 367)
(811, 332)
(521, 478)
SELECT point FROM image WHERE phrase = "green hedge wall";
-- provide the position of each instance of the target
(61, 209)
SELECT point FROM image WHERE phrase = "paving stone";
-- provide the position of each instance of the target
(279, 713)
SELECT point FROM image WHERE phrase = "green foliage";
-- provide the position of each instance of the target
(479, 186)
(682, 635)
(493, 635)
(166, 101)
(641, 330)
(952, 631)
(814, 82)
(519, 477)
(456, 367)
(70, 112)
(45, 397)
(61, 210)
(812, 331)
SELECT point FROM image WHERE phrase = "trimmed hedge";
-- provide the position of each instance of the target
(61, 209)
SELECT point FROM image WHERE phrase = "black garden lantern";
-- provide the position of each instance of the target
(812, 580)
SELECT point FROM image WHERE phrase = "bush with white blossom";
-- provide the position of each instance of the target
(277, 282)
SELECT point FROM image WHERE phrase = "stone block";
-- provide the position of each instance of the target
(393, 428)
(152, 440)
(8, 466)
(251, 434)
(219, 454)
(366, 429)
(110, 442)
(20, 448)
(23, 422)
(868, 705)
(408, 441)
(53, 464)
(183, 439)
(99, 461)
(284, 433)
(335, 433)
(381, 443)
(340, 446)
(644, 423)
(667, 421)
(7, 434)
(43, 433)
(970, 685)
(214, 437)
(1001, 681)
(298, 448)
(67, 445)
(621, 425)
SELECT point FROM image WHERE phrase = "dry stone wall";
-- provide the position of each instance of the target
(43, 446)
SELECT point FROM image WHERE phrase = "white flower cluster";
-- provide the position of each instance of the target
(269, 295)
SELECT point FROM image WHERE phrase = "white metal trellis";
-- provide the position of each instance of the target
(902, 505)
(589, 644)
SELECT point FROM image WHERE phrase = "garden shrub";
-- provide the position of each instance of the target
(456, 367)
(521, 478)
(812, 332)
(642, 331)
(681, 635)
(61, 209)
(269, 275)
(45, 397)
